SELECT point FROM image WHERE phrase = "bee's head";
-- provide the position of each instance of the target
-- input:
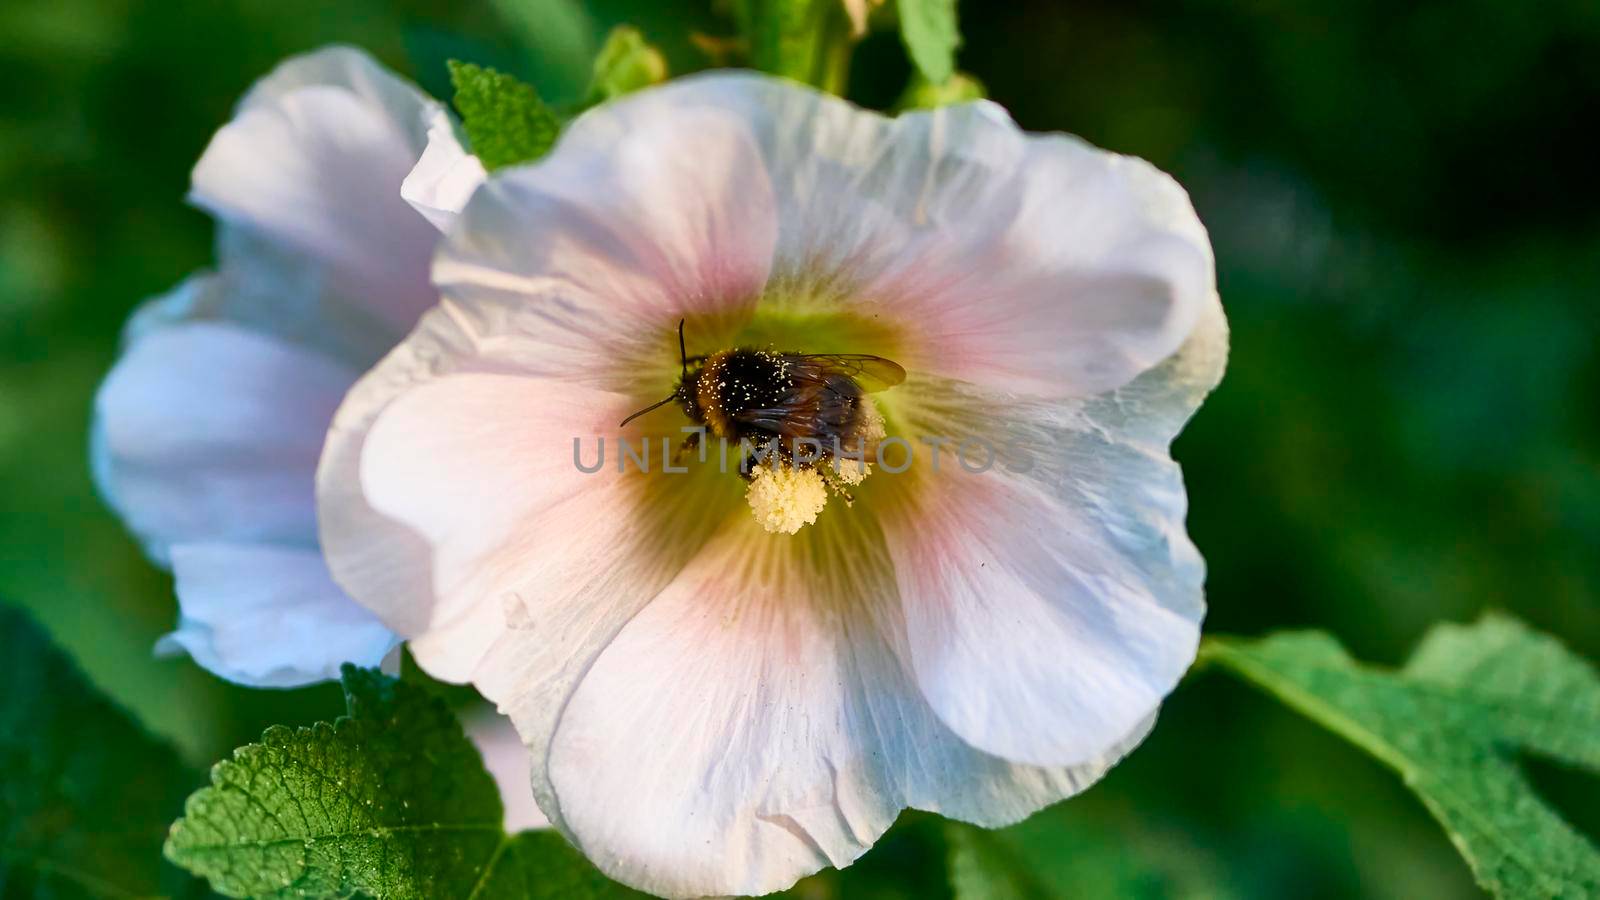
(686, 394)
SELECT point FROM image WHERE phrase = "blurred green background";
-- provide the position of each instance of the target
(1406, 212)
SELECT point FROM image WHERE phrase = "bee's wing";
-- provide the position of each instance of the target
(873, 373)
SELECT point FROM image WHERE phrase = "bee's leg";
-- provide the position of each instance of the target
(689, 445)
(839, 487)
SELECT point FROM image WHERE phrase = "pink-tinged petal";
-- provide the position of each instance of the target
(511, 567)
(312, 165)
(754, 724)
(467, 460)
(547, 278)
(1059, 270)
(645, 212)
(206, 431)
(776, 701)
(1049, 611)
(268, 616)
(1030, 264)
(507, 761)
(480, 467)
(446, 176)
(383, 563)
(544, 277)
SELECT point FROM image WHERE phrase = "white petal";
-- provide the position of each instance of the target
(583, 264)
(268, 616)
(664, 732)
(347, 68)
(207, 431)
(265, 289)
(545, 276)
(1033, 264)
(507, 761)
(469, 459)
(480, 467)
(1049, 612)
(312, 164)
(446, 176)
(486, 546)
(1042, 265)
(754, 724)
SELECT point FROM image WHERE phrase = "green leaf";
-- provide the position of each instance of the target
(625, 64)
(85, 794)
(1451, 722)
(931, 34)
(959, 88)
(1063, 853)
(557, 38)
(390, 801)
(902, 864)
(982, 867)
(540, 864)
(458, 697)
(505, 120)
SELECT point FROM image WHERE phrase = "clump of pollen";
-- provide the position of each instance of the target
(785, 495)
(785, 498)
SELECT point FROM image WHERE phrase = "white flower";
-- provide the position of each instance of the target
(711, 708)
(208, 429)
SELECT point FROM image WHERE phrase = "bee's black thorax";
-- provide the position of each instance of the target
(731, 384)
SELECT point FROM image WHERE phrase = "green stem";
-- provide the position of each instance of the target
(807, 40)
(836, 44)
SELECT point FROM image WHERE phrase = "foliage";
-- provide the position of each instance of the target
(1058, 853)
(505, 120)
(958, 88)
(807, 40)
(931, 36)
(84, 792)
(557, 39)
(390, 801)
(1450, 722)
(625, 63)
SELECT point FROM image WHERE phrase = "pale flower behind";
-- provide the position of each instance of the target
(208, 430)
(712, 708)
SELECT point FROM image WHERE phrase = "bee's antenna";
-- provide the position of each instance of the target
(653, 406)
(683, 351)
(683, 354)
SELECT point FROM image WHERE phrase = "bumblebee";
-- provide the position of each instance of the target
(797, 400)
